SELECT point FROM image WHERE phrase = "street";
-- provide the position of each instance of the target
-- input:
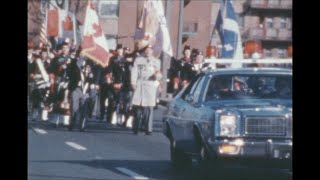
(106, 152)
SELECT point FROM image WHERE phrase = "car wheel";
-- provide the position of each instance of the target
(203, 154)
(178, 158)
(204, 157)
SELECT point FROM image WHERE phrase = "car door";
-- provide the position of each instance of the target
(176, 109)
(193, 108)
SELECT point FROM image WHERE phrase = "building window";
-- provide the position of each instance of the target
(190, 28)
(109, 8)
(111, 40)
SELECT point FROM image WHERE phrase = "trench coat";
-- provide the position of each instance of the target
(145, 77)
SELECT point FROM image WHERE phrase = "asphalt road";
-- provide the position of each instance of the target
(107, 152)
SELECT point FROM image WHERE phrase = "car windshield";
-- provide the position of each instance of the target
(228, 87)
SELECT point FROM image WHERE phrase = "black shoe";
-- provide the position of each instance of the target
(135, 132)
(148, 133)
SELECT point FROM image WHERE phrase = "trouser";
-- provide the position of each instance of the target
(91, 102)
(106, 93)
(35, 98)
(123, 103)
(143, 118)
(79, 108)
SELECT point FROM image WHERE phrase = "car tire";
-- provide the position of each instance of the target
(178, 158)
(204, 159)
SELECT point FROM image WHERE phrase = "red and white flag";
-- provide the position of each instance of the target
(152, 28)
(94, 43)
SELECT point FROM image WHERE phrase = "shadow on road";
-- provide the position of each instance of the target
(46, 176)
(163, 170)
(92, 127)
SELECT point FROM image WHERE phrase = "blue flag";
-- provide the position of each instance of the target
(228, 29)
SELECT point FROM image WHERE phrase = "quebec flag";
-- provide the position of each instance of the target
(228, 29)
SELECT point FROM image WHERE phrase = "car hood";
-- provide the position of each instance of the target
(255, 107)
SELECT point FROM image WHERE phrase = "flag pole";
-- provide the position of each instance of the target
(75, 42)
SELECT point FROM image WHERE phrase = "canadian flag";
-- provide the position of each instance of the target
(94, 43)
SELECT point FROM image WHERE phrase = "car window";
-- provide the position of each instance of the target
(191, 86)
(196, 94)
(249, 87)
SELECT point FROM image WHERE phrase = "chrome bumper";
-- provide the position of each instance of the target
(252, 148)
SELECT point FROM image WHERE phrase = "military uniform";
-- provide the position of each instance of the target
(187, 72)
(121, 74)
(106, 92)
(78, 87)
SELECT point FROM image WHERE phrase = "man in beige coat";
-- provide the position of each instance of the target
(145, 80)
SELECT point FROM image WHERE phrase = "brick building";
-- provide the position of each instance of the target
(119, 19)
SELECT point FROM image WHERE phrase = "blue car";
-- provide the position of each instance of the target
(232, 114)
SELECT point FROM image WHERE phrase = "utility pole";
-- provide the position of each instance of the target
(179, 43)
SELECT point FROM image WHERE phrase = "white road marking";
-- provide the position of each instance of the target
(131, 173)
(97, 157)
(76, 146)
(40, 131)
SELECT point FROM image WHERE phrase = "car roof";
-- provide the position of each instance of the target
(250, 71)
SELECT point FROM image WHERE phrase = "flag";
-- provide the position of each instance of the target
(66, 25)
(228, 29)
(60, 23)
(53, 21)
(94, 43)
(153, 29)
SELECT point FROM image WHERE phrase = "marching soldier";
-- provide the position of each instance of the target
(145, 80)
(186, 69)
(106, 93)
(78, 87)
(177, 70)
(197, 63)
(122, 86)
(119, 77)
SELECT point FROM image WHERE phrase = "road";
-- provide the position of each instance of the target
(107, 152)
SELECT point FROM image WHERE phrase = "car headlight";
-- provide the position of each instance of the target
(228, 125)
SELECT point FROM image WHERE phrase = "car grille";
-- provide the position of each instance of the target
(265, 126)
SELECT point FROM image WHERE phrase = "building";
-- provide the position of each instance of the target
(119, 19)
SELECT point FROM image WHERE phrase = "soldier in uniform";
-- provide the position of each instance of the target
(119, 73)
(186, 69)
(106, 93)
(145, 80)
(177, 68)
(129, 60)
(35, 96)
(120, 69)
(197, 62)
(79, 77)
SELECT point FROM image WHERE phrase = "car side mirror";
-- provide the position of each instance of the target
(189, 98)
